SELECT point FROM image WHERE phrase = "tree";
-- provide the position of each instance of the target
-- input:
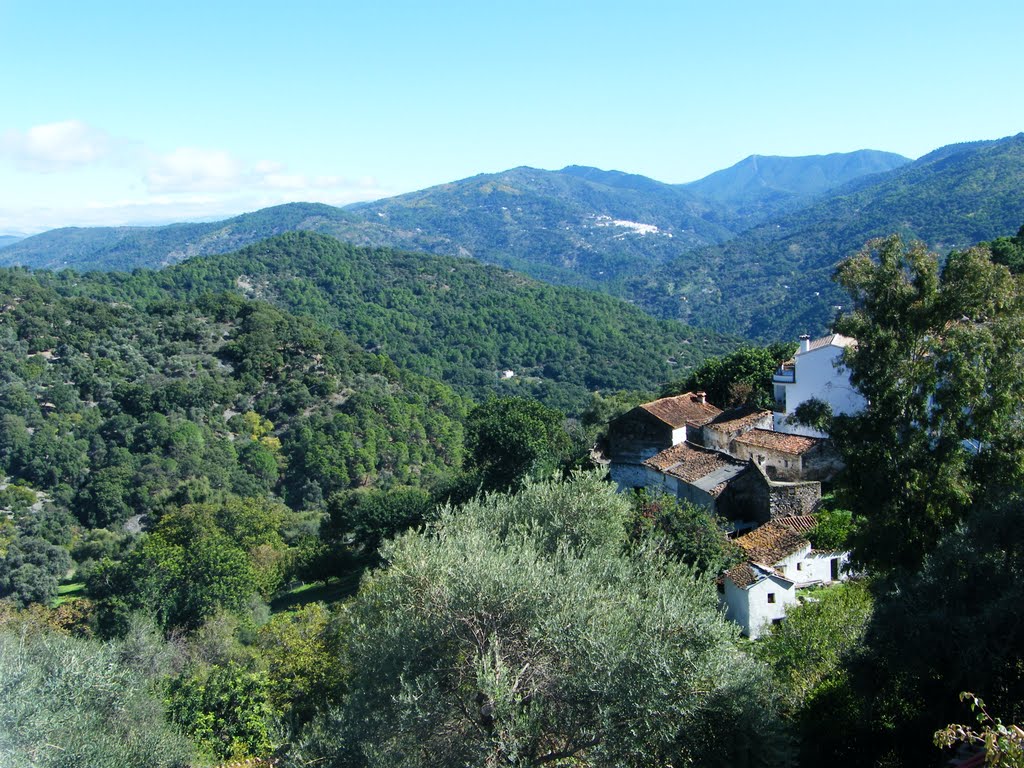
(683, 530)
(939, 361)
(518, 634)
(1003, 744)
(512, 439)
(743, 377)
(72, 702)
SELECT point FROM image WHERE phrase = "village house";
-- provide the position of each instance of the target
(779, 561)
(784, 456)
(683, 446)
(720, 432)
(650, 428)
(815, 372)
(737, 490)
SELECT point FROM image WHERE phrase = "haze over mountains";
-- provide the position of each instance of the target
(748, 250)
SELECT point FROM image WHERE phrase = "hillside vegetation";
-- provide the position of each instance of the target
(774, 281)
(445, 318)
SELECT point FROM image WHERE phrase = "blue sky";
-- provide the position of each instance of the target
(118, 112)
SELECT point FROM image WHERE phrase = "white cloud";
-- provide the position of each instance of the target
(189, 170)
(117, 181)
(55, 147)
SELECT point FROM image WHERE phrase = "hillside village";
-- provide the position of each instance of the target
(759, 470)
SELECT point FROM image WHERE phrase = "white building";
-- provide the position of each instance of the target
(756, 597)
(815, 372)
(780, 561)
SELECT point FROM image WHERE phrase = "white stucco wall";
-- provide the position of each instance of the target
(788, 566)
(750, 607)
(817, 376)
(818, 567)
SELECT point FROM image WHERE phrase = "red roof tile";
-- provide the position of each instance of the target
(832, 340)
(800, 523)
(737, 418)
(681, 410)
(778, 441)
(771, 542)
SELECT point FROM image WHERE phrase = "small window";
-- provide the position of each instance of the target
(799, 566)
(776, 621)
(771, 597)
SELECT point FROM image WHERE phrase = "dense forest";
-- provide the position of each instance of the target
(445, 318)
(232, 532)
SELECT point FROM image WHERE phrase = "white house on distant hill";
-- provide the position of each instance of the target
(815, 372)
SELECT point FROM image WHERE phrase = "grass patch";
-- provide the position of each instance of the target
(68, 592)
(318, 592)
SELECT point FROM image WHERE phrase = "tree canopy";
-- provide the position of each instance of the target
(518, 633)
(939, 360)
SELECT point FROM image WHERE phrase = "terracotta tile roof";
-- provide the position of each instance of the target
(737, 418)
(778, 441)
(771, 542)
(747, 574)
(708, 470)
(799, 523)
(832, 340)
(681, 410)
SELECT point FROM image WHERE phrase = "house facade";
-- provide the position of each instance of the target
(756, 596)
(815, 372)
(651, 428)
(780, 561)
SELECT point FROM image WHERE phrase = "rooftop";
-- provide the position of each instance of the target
(747, 574)
(772, 542)
(738, 418)
(832, 340)
(701, 467)
(779, 441)
(800, 523)
(688, 408)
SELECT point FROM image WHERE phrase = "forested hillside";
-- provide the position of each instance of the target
(112, 411)
(690, 252)
(577, 226)
(774, 281)
(445, 318)
(760, 187)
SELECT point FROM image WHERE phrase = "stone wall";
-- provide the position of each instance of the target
(793, 499)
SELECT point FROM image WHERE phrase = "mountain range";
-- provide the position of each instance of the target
(748, 250)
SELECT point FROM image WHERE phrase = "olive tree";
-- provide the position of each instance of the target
(517, 633)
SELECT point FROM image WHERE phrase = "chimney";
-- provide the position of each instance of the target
(805, 343)
(700, 397)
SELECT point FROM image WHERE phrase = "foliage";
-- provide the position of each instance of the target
(953, 627)
(224, 710)
(493, 640)
(808, 650)
(73, 702)
(772, 281)
(833, 530)
(939, 361)
(359, 521)
(133, 408)
(31, 568)
(743, 377)
(814, 413)
(300, 652)
(195, 562)
(1009, 251)
(511, 440)
(447, 319)
(1003, 744)
(684, 531)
